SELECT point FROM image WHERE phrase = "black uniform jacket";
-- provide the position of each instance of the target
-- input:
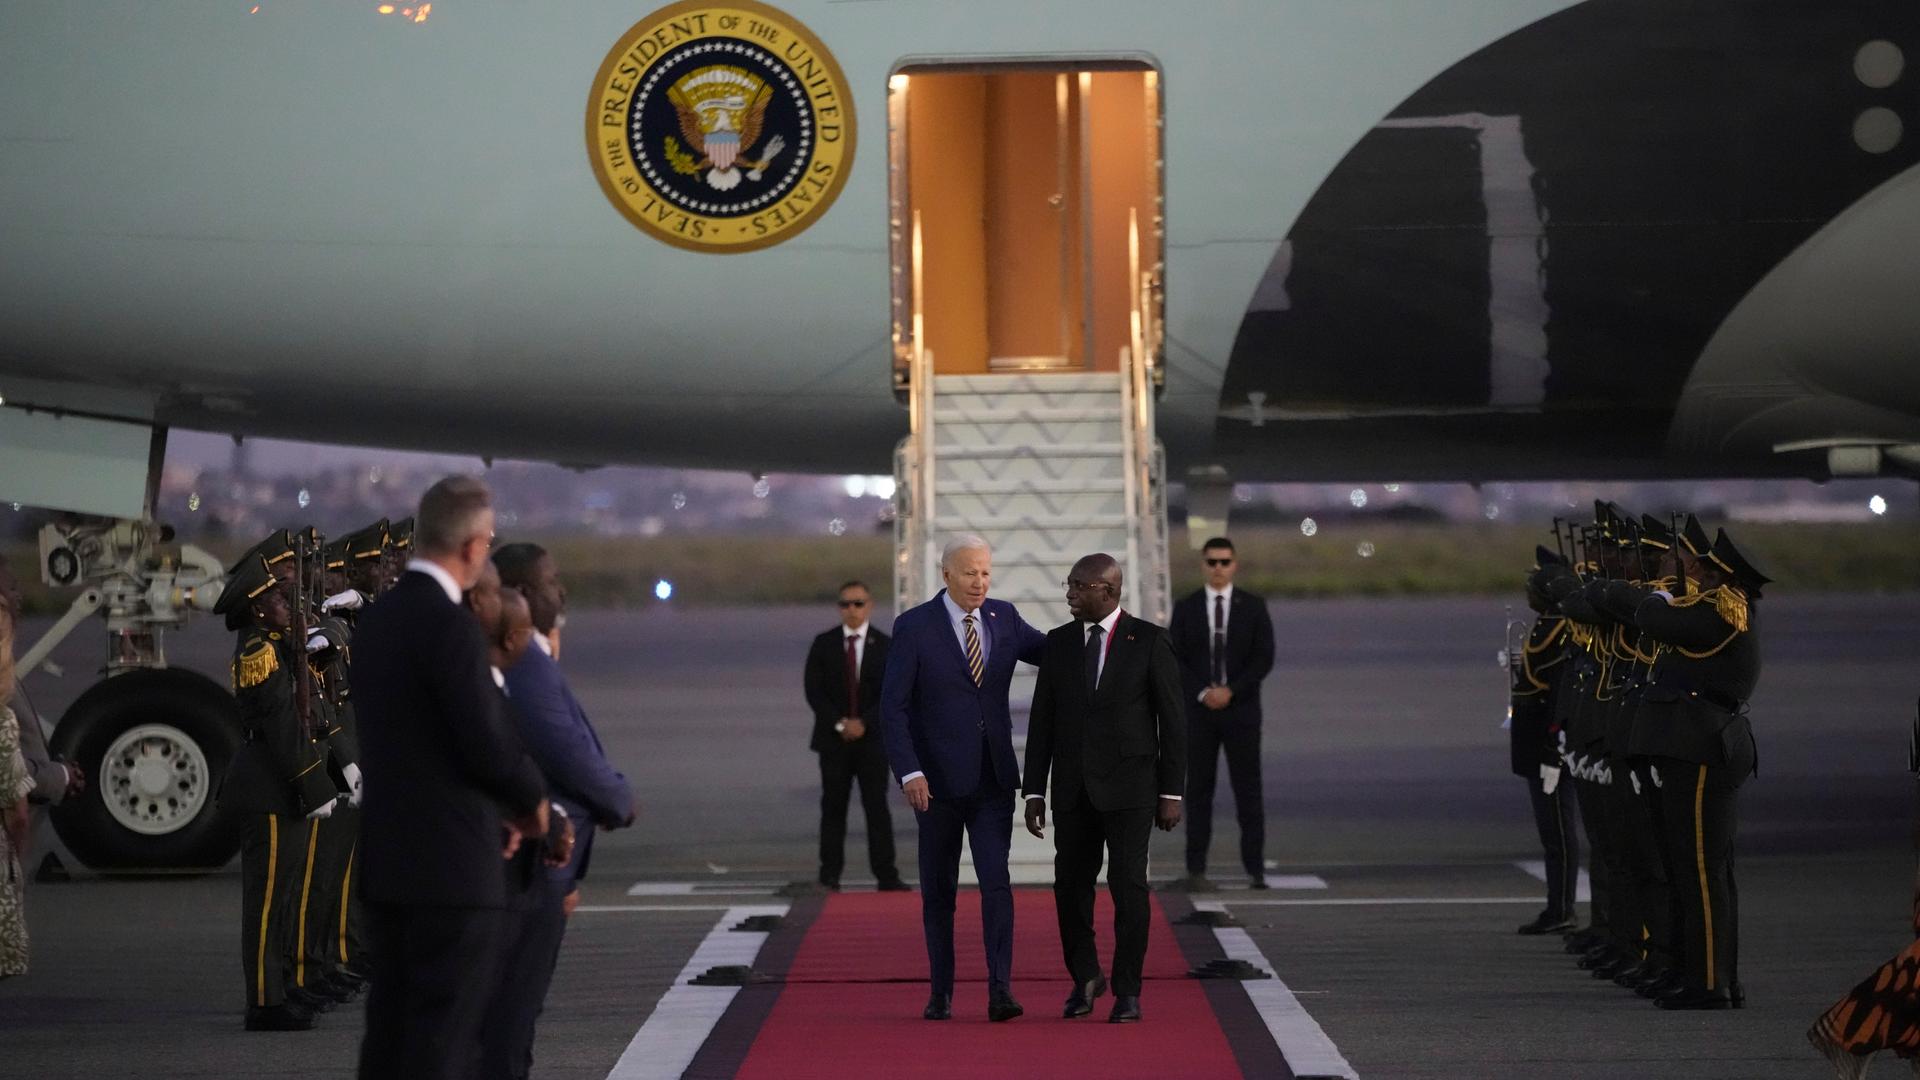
(443, 763)
(280, 768)
(1249, 649)
(1588, 708)
(1694, 708)
(826, 682)
(1536, 683)
(1126, 745)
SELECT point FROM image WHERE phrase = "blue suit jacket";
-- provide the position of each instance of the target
(561, 740)
(931, 713)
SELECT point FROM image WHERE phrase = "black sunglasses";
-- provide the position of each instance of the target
(1228, 561)
(853, 603)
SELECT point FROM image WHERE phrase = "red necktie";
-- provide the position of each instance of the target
(853, 677)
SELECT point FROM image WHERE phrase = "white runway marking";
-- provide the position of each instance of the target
(667, 1043)
(1381, 901)
(703, 888)
(1308, 1051)
(590, 909)
(1538, 868)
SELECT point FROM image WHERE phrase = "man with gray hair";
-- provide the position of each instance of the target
(444, 770)
(949, 738)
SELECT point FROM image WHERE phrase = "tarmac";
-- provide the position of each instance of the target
(1392, 820)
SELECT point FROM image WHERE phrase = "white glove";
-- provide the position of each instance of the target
(351, 600)
(324, 810)
(1635, 777)
(1655, 770)
(1604, 774)
(1549, 779)
(352, 773)
(317, 641)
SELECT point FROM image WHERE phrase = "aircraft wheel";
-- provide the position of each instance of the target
(155, 746)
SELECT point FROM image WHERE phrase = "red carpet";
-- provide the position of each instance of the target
(851, 1003)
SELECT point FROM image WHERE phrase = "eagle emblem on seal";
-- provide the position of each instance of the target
(722, 110)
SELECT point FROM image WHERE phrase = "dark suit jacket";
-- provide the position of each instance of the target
(932, 714)
(1249, 650)
(826, 683)
(1126, 744)
(563, 743)
(442, 762)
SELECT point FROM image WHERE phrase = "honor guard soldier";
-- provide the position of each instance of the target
(399, 550)
(340, 930)
(369, 566)
(1535, 751)
(278, 783)
(1584, 724)
(1693, 728)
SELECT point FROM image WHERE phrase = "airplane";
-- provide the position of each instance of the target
(1348, 238)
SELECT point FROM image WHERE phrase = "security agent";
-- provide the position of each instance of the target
(1535, 751)
(842, 682)
(1223, 638)
(277, 783)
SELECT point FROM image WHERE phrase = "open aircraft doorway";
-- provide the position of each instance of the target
(1026, 214)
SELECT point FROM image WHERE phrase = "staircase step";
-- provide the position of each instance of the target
(946, 486)
(1053, 523)
(1059, 450)
(1043, 382)
(970, 413)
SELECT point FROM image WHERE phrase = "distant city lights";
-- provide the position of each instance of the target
(663, 589)
(1365, 550)
(193, 502)
(679, 500)
(1357, 497)
(838, 526)
(305, 498)
(1308, 526)
(762, 488)
(1878, 505)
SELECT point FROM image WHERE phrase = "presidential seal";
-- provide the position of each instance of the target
(720, 127)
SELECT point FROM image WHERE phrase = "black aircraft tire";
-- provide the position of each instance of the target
(171, 734)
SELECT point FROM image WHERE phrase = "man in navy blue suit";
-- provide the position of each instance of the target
(581, 782)
(949, 738)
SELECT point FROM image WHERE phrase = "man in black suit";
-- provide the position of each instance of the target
(1223, 639)
(844, 670)
(444, 771)
(1108, 724)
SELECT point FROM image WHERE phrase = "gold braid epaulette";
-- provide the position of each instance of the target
(254, 668)
(1729, 601)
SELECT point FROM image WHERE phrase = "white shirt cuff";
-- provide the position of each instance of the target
(1175, 798)
(1202, 695)
(1041, 797)
(910, 778)
(1664, 595)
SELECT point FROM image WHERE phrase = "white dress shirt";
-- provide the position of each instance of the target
(859, 638)
(440, 574)
(1226, 612)
(544, 643)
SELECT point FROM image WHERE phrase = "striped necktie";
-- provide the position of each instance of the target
(975, 665)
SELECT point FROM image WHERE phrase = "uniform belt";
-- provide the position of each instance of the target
(1717, 700)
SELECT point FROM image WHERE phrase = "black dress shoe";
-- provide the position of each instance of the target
(1257, 882)
(1597, 957)
(895, 885)
(284, 1017)
(325, 987)
(1547, 923)
(1581, 940)
(1613, 970)
(830, 884)
(309, 1000)
(1635, 974)
(1126, 1010)
(1693, 997)
(1002, 1007)
(1080, 1002)
(1667, 983)
(939, 1007)
(1192, 883)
